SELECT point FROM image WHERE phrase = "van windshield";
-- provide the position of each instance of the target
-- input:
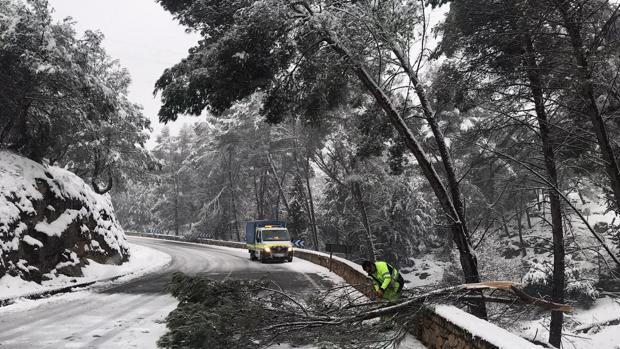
(276, 235)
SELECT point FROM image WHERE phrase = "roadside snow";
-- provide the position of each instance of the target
(143, 260)
(425, 271)
(604, 309)
(113, 314)
(574, 336)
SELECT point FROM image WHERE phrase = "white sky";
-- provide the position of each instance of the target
(142, 36)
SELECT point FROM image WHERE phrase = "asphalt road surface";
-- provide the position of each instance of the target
(131, 315)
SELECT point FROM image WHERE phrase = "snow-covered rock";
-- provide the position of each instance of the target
(51, 222)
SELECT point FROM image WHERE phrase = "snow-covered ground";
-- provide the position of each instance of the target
(583, 268)
(588, 328)
(427, 270)
(142, 334)
(584, 263)
(143, 260)
(129, 321)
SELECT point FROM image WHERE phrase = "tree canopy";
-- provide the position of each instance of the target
(64, 99)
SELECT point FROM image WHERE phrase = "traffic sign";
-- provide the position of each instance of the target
(298, 243)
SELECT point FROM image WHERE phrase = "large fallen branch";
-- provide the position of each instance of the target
(232, 314)
(520, 294)
(408, 304)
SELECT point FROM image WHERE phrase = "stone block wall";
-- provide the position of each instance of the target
(437, 332)
(352, 276)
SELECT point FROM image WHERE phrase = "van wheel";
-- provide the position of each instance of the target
(261, 257)
(290, 259)
(252, 256)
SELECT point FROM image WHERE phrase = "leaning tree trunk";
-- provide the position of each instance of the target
(458, 227)
(587, 92)
(557, 293)
(315, 234)
(429, 116)
(279, 183)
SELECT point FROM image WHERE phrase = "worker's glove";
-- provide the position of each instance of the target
(379, 293)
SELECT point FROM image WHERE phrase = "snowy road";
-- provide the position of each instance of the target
(130, 315)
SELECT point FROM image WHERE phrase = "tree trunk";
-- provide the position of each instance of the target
(256, 196)
(583, 201)
(275, 177)
(520, 227)
(361, 206)
(557, 293)
(315, 234)
(5, 131)
(527, 214)
(176, 205)
(97, 172)
(263, 187)
(235, 229)
(505, 223)
(458, 227)
(587, 92)
(21, 136)
(429, 116)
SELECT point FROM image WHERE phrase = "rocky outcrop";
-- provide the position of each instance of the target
(52, 223)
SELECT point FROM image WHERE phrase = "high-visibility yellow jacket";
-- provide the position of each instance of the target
(386, 281)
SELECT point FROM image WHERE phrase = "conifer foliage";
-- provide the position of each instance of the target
(64, 100)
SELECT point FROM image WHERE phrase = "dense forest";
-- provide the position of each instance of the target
(483, 133)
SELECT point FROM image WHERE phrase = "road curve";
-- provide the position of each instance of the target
(130, 315)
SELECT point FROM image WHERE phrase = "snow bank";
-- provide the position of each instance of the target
(52, 222)
(597, 327)
(143, 260)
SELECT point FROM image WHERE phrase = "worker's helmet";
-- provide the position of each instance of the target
(367, 265)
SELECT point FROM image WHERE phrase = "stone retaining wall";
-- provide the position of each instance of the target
(353, 277)
(433, 330)
(437, 332)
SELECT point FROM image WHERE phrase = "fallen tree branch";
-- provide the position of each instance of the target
(520, 294)
(406, 304)
(527, 299)
(287, 296)
(586, 328)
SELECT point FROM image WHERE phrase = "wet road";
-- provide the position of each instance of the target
(131, 315)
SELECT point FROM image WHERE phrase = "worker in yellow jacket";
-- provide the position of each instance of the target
(388, 282)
